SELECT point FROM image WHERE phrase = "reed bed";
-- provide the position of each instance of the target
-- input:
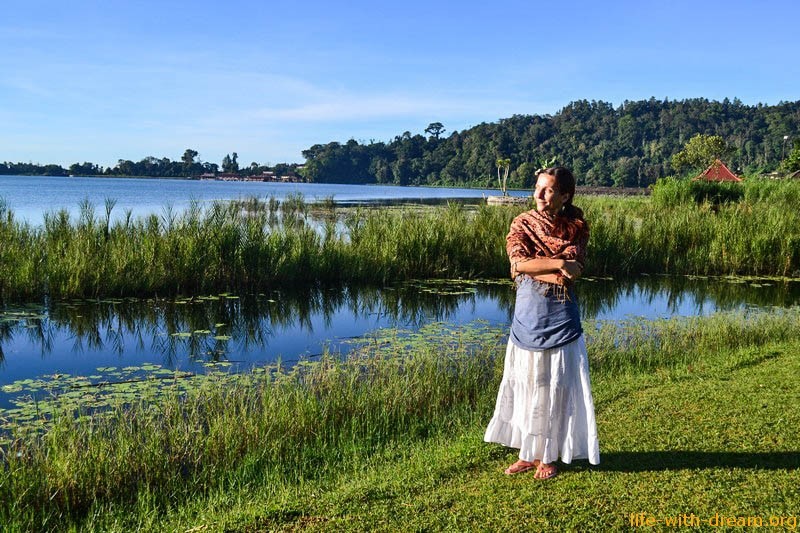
(252, 245)
(673, 191)
(291, 428)
(634, 236)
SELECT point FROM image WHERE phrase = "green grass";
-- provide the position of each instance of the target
(715, 437)
(695, 416)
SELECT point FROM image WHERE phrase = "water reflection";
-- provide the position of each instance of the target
(661, 296)
(79, 336)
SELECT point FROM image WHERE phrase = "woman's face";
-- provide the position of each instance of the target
(548, 200)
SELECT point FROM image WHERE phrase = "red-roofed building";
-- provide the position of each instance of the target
(717, 172)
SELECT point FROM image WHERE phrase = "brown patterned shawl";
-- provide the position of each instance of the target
(531, 237)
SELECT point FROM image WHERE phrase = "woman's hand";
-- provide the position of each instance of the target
(555, 279)
(547, 269)
(571, 269)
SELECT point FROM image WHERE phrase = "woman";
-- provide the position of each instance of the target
(544, 406)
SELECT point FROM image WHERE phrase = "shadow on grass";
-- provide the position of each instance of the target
(682, 460)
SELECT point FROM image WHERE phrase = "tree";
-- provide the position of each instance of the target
(188, 157)
(700, 152)
(85, 169)
(125, 167)
(526, 175)
(792, 161)
(504, 165)
(626, 172)
(435, 129)
(229, 163)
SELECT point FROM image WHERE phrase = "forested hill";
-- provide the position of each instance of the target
(630, 145)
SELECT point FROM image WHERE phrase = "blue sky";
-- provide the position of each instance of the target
(106, 80)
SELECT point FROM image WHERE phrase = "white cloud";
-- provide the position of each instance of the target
(367, 107)
(349, 108)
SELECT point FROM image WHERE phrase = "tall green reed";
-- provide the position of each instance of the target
(673, 191)
(249, 246)
(759, 238)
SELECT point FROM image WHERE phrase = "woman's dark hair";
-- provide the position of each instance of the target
(569, 222)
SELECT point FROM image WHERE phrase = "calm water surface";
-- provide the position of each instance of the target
(76, 338)
(30, 197)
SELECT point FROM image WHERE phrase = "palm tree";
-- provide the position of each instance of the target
(504, 165)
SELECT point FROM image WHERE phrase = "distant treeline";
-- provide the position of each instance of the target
(630, 145)
(186, 167)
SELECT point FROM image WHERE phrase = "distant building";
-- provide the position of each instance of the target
(266, 175)
(717, 171)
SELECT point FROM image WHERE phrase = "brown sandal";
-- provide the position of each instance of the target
(521, 466)
(545, 471)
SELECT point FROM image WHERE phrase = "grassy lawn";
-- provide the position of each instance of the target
(715, 438)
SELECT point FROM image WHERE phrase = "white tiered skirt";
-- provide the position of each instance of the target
(545, 407)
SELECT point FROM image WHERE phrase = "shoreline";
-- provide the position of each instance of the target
(580, 189)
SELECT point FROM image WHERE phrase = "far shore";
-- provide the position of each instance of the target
(580, 189)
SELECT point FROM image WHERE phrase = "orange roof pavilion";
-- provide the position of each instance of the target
(717, 171)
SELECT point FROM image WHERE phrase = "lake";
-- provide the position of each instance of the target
(30, 197)
(241, 330)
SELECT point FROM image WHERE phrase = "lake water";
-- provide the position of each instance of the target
(77, 338)
(32, 196)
